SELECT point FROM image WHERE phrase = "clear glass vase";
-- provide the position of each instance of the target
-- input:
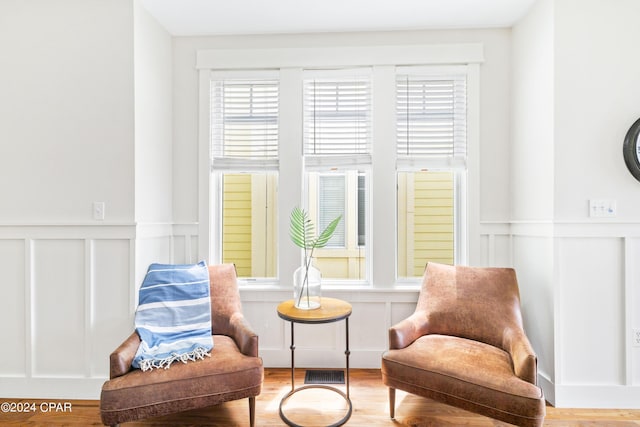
(306, 288)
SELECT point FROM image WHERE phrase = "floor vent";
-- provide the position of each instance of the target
(324, 377)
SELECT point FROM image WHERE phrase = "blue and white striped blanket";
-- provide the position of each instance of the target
(173, 317)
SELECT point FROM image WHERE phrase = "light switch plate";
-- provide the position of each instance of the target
(602, 208)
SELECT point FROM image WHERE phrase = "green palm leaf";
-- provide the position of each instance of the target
(301, 229)
(326, 234)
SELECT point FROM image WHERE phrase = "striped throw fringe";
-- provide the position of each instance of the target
(165, 363)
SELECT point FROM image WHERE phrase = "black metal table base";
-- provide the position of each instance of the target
(316, 386)
(294, 390)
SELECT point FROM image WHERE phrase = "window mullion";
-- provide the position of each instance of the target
(290, 170)
(383, 183)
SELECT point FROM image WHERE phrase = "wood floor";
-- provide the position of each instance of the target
(311, 408)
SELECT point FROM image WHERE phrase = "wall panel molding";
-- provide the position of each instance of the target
(72, 283)
(184, 243)
(589, 273)
(68, 231)
(104, 260)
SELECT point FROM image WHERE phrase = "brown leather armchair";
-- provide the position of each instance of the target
(234, 370)
(465, 346)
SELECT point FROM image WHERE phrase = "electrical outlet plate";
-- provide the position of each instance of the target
(98, 211)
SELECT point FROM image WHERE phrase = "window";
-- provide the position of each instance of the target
(431, 148)
(393, 149)
(337, 157)
(244, 147)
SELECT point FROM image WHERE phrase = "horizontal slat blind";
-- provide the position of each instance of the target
(244, 119)
(362, 206)
(332, 200)
(337, 114)
(431, 117)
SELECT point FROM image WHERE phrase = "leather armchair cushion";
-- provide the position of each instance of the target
(465, 373)
(226, 375)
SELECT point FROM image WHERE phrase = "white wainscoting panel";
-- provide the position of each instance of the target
(495, 244)
(185, 243)
(13, 360)
(265, 322)
(579, 285)
(69, 304)
(533, 262)
(591, 323)
(111, 303)
(179, 249)
(635, 369)
(58, 301)
(371, 326)
(632, 300)
(400, 311)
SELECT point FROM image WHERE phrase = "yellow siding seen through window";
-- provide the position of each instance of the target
(425, 225)
(425, 220)
(236, 222)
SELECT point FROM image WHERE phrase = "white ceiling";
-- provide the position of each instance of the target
(227, 17)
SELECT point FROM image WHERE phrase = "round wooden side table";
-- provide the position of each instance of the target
(330, 310)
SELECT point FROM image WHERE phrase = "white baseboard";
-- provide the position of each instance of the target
(52, 388)
(597, 396)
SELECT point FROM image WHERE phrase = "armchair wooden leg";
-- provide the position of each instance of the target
(252, 411)
(392, 402)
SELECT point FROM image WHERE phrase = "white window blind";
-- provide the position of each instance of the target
(331, 204)
(362, 206)
(244, 122)
(337, 117)
(431, 119)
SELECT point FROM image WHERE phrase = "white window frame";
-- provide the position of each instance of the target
(456, 165)
(230, 165)
(383, 59)
(349, 157)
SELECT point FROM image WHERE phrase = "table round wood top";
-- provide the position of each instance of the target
(330, 310)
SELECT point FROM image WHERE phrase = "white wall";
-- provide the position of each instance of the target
(85, 115)
(66, 110)
(532, 172)
(578, 271)
(532, 119)
(153, 142)
(153, 119)
(596, 101)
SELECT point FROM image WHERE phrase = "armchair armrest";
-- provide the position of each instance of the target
(408, 330)
(244, 336)
(121, 358)
(525, 361)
